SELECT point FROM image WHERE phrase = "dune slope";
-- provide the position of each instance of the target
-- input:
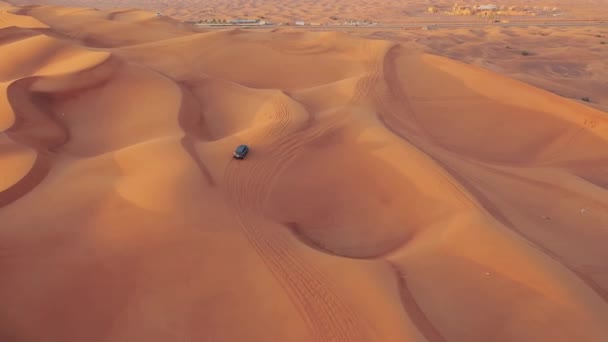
(389, 195)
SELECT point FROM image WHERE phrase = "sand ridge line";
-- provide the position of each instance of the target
(413, 137)
(398, 94)
(535, 243)
(37, 173)
(537, 182)
(35, 125)
(190, 136)
(112, 15)
(32, 117)
(414, 311)
(587, 280)
(29, 115)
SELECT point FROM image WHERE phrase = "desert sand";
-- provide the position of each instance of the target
(392, 11)
(568, 61)
(391, 193)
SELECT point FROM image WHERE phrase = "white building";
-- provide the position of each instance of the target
(487, 8)
(300, 22)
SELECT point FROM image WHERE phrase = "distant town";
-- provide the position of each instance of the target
(496, 10)
(262, 21)
(492, 12)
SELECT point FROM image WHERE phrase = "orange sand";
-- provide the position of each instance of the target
(390, 194)
(323, 10)
(568, 61)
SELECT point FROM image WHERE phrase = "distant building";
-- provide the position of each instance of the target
(486, 8)
(299, 22)
(366, 22)
(244, 21)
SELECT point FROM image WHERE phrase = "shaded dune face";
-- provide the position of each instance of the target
(389, 195)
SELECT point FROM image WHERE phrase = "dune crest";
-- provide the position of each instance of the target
(389, 194)
(9, 17)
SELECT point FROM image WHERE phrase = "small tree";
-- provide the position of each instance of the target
(525, 53)
(586, 99)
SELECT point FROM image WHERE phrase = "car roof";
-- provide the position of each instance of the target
(241, 148)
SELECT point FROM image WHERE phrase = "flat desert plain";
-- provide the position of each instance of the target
(323, 10)
(404, 186)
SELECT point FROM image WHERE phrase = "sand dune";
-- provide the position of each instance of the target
(568, 61)
(390, 194)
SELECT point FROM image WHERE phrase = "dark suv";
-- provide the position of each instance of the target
(241, 151)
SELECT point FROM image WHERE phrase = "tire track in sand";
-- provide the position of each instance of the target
(327, 315)
(284, 153)
(364, 87)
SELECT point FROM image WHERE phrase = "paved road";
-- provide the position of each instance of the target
(433, 25)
